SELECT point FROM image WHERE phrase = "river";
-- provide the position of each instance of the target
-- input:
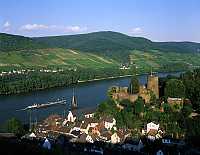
(89, 95)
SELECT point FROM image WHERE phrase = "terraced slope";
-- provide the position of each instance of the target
(164, 61)
(55, 57)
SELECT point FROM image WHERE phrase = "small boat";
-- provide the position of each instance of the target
(37, 106)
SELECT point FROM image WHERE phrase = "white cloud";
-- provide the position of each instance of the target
(75, 29)
(136, 30)
(60, 28)
(31, 27)
(6, 26)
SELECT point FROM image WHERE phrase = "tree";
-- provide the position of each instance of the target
(175, 88)
(191, 81)
(186, 110)
(167, 108)
(134, 85)
(153, 98)
(13, 125)
(139, 106)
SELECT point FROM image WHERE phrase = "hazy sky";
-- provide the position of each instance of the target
(159, 20)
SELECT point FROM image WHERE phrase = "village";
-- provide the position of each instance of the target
(88, 128)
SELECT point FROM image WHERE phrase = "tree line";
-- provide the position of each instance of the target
(31, 81)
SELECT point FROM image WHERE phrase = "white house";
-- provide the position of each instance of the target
(109, 123)
(70, 117)
(90, 115)
(89, 139)
(152, 126)
(115, 138)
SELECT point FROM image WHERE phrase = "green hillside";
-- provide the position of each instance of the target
(116, 44)
(10, 42)
(56, 57)
(96, 50)
(161, 61)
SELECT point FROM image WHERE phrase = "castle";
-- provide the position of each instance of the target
(121, 93)
(152, 84)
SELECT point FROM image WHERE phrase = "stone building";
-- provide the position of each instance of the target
(121, 93)
(152, 84)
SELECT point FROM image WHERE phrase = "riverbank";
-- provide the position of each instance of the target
(124, 76)
(107, 78)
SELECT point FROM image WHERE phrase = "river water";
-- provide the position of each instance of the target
(89, 95)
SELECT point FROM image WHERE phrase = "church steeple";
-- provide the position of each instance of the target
(151, 72)
(74, 101)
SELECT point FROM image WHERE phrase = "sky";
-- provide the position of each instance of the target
(158, 20)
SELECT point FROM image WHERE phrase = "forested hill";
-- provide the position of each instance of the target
(107, 43)
(97, 41)
(9, 42)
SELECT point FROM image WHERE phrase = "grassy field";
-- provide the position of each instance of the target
(55, 57)
(164, 60)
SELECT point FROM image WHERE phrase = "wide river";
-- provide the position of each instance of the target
(89, 95)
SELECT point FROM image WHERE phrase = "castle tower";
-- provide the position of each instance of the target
(152, 84)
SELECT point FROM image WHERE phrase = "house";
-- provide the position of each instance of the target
(106, 136)
(152, 126)
(71, 117)
(109, 122)
(66, 123)
(87, 124)
(85, 138)
(32, 135)
(77, 126)
(115, 138)
(132, 145)
(89, 115)
(76, 133)
(171, 100)
(89, 139)
(151, 135)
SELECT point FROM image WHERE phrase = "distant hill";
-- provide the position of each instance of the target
(105, 43)
(96, 50)
(108, 41)
(9, 42)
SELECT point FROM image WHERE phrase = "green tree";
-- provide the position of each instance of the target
(13, 125)
(175, 88)
(139, 106)
(167, 108)
(186, 110)
(153, 100)
(134, 85)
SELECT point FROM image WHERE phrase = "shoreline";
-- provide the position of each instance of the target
(122, 76)
(87, 81)
(106, 78)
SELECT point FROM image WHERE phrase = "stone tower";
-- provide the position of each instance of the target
(152, 84)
